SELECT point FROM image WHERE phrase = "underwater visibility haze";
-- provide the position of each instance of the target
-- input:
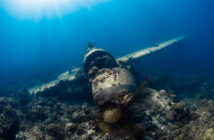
(51, 84)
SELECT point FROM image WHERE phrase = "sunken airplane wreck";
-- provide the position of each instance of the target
(111, 81)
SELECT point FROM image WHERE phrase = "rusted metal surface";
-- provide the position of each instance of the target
(109, 83)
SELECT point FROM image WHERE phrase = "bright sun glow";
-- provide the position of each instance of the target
(36, 9)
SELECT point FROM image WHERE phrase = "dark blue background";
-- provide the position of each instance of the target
(31, 49)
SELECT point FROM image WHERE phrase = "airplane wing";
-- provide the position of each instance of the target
(73, 81)
(130, 58)
(72, 76)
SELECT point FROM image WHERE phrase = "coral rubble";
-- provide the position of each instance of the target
(154, 115)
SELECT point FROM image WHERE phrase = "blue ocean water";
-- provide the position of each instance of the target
(31, 49)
